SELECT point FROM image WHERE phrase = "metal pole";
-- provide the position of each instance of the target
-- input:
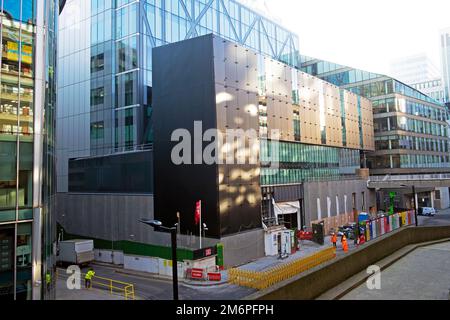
(415, 205)
(200, 231)
(173, 234)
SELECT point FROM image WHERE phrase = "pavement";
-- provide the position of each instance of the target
(307, 248)
(420, 275)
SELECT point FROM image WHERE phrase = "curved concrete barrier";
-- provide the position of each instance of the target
(315, 282)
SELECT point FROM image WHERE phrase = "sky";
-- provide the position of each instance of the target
(365, 34)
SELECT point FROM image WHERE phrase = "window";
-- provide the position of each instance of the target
(126, 87)
(126, 21)
(296, 117)
(127, 54)
(97, 130)
(97, 96)
(97, 63)
(380, 124)
(129, 128)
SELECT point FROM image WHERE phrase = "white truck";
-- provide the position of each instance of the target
(76, 252)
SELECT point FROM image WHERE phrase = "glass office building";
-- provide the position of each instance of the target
(105, 84)
(445, 60)
(27, 105)
(411, 132)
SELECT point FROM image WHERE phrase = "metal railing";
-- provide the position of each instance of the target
(112, 286)
(263, 279)
(387, 178)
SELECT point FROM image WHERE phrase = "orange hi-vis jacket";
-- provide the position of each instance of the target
(344, 244)
(334, 238)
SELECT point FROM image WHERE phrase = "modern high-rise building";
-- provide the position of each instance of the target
(445, 61)
(105, 84)
(414, 69)
(419, 72)
(433, 88)
(411, 132)
(28, 32)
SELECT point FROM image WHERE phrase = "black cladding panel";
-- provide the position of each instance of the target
(184, 92)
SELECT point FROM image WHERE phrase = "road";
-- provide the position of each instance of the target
(155, 289)
(442, 218)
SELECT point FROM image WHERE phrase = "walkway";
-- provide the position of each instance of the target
(307, 248)
(421, 275)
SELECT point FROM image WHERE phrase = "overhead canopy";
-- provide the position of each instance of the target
(286, 207)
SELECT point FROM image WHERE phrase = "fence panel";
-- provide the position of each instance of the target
(264, 279)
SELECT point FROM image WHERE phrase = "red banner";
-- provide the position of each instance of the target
(198, 208)
(197, 273)
(214, 276)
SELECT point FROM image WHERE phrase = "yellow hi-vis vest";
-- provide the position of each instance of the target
(89, 275)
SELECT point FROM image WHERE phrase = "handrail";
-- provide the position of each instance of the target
(114, 286)
(387, 178)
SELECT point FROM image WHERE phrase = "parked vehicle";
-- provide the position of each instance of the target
(76, 252)
(348, 230)
(427, 211)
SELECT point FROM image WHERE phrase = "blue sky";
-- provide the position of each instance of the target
(13, 8)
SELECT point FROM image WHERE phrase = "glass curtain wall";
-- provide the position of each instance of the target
(17, 141)
(300, 162)
(16, 147)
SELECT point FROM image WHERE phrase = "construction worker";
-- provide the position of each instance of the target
(334, 239)
(344, 243)
(48, 280)
(88, 278)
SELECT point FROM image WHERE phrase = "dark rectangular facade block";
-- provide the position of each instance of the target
(121, 173)
(184, 92)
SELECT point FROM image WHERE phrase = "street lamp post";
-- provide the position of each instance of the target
(157, 225)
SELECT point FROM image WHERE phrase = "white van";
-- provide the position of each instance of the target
(427, 211)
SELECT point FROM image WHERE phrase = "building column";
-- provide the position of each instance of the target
(432, 198)
(416, 199)
(319, 211)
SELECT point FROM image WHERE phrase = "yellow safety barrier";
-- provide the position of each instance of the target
(264, 279)
(113, 286)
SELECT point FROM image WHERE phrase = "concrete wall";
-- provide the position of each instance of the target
(116, 217)
(251, 243)
(152, 265)
(313, 283)
(327, 191)
(108, 216)
(109, 256)
(444, 201)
